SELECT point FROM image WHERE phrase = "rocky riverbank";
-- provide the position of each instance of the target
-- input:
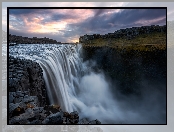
(28, 101)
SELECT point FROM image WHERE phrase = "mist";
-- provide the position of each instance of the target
(83, 85)
(100, 98)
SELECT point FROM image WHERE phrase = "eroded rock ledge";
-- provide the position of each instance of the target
(26, 76)
(28, 101)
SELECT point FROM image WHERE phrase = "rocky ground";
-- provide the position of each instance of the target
(28, 101)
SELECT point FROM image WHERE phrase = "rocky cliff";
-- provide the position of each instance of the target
(145, 35)
(26, 76)
(27, 97)
(127, 68)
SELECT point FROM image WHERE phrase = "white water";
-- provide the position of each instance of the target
(61, 66)
(73, 85)
(70, 82)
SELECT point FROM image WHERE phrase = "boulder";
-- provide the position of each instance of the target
(12, 107)
(54, 119)
(11, 97)
(83, 121)
(95, 122)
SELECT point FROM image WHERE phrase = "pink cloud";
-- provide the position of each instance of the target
(150, 22)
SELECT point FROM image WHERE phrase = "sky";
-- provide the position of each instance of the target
(67, 25)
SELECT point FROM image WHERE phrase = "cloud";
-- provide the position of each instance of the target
(22, 11)
(82, 21)
(60, 36)
(104, 22)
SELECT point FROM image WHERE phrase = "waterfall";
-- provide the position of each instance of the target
(61, 76)
(70, 82)
(62, 67)
(74, 86)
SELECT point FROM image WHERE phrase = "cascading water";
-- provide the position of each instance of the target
(72, 84)
(62, 73)
(61, 66)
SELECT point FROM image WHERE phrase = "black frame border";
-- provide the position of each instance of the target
(8, 8)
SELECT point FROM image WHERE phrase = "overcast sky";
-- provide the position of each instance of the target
(67, 25)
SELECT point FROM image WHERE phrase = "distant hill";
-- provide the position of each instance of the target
(26, 40)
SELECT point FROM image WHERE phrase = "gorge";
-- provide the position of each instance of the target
(87, 84)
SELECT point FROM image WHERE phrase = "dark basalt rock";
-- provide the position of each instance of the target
(26, 75)
(71, 118)
(95, 122)
(28, 113)
(74, 114)
(126, 68)
(28, 102)
(12, 107)
(54, 119)
(11, 98)
(83, 121)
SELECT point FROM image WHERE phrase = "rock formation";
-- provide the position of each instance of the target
(128, 33)
(26, 76)
(28, 101)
